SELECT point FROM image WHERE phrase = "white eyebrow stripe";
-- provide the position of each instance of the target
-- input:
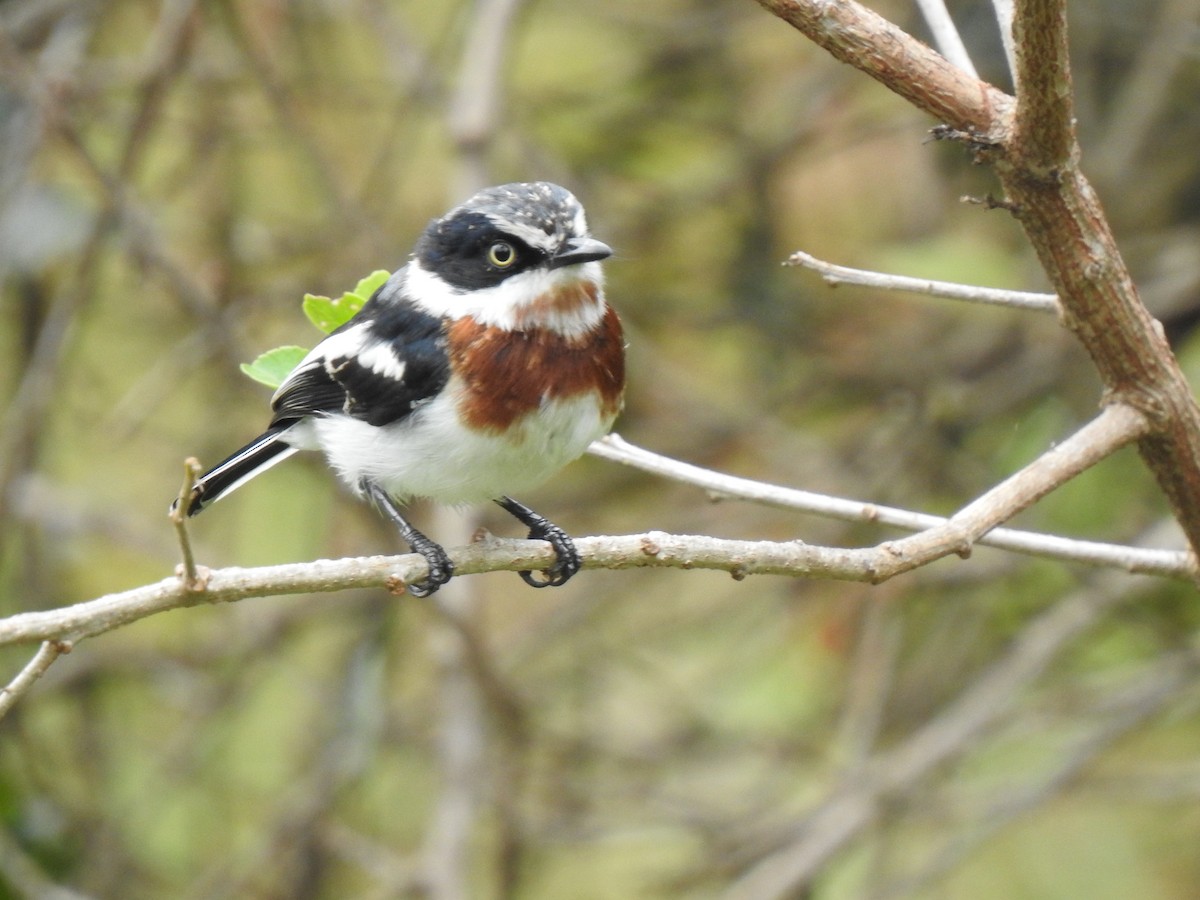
(531, 235)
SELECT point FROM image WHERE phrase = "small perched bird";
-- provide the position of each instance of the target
(479, 369)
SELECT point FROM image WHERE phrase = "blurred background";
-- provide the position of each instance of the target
(175, 175)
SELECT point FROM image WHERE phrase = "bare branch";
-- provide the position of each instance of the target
(1170, 563)
(1035, 155)
(34, 669)
(835, 275)
(393, 572)
(1066, 225)
(852, 33)
(1115, 427)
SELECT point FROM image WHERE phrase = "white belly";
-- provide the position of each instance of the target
(430, 454)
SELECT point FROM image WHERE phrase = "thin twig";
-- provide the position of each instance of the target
(834, 274)
(1170, 563)
(34, 669)
(945, 35)
(178, 515)
(1004, 19)
(1116, 426)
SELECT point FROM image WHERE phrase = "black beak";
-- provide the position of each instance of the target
(580, 250)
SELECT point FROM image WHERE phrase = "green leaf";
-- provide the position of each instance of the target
(272, 367)
(328, 314)
(373, 282)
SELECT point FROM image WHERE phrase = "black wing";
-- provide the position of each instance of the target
(377, 367)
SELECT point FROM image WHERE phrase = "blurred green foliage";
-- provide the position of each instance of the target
(176, 176)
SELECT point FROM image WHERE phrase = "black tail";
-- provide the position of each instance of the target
(257, 456)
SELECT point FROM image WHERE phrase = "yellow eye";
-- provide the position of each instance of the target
(501, 254)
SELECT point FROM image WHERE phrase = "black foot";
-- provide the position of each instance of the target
(440, 566)
(542, 529)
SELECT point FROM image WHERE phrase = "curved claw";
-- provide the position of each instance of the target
(541, 529)
(440, 566)
(567, 564)
(550, 578)
(440, 571)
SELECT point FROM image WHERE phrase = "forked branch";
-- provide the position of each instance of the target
(1031, 143)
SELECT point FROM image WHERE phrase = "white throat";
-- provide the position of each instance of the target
(518, 301)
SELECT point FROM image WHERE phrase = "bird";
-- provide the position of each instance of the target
(481, 367)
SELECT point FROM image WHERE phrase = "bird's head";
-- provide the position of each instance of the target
(516, 256)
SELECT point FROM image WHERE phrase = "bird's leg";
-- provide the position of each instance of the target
(440, 566)
(542, 529)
